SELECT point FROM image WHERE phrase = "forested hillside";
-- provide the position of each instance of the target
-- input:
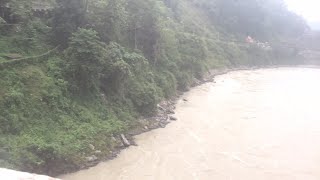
(77, 73)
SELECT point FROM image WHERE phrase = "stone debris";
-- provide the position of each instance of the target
(172, 118)
(125, 141)
(91, 147)
(92, 158)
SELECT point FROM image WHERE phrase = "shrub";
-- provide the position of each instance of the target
(85, 58)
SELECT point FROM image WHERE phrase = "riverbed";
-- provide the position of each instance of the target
(249, 125)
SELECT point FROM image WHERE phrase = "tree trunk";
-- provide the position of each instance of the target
(86, 6)
(135, 37)
(156, 52)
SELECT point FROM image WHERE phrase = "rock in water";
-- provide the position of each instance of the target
(125, 140)
(162, 125)
(172, 118)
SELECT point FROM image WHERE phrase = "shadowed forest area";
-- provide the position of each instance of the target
(75, 74)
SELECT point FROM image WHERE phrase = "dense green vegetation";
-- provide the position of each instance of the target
(78, 72)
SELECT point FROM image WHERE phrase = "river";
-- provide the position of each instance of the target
(249, 125)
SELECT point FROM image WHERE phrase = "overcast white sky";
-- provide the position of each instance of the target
(309, 9)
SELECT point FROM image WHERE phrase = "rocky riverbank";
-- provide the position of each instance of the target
(209, 142)
(165, 115)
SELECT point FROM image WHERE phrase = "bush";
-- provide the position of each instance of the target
(167, 83)
(144, 96)
(85, 55)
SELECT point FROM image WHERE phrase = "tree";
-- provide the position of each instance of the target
(264, 20)
(14, 11)
(86, 54)
(68, 16)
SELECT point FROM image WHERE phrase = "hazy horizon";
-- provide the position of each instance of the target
(309, 9)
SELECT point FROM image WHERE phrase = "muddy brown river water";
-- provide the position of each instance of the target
(249, 125)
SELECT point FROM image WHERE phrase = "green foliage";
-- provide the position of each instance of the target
(30, 38)
(67, 17)
(116, 70)
(43, 125)
(143, 90)
(167, 83)
(85, 54)
(115, 20)
(130, 77)
(19, 10)
(143, 95)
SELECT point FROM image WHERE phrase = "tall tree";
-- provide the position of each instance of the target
(67, 17)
